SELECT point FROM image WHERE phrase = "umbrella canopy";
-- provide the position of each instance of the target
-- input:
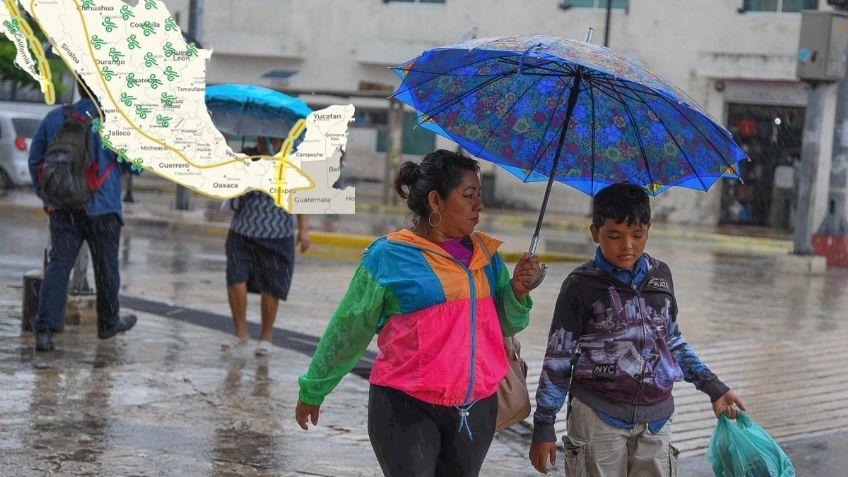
(550, 108)
(249, 110)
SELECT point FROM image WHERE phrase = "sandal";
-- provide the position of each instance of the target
(234, 344)
(263, 348)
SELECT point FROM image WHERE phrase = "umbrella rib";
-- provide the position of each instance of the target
(563, 69)
(676, 143)
(639, 140)
(607, 83)
(592, 97)
(536, 156)
(444, 73)
(648, 105)
(438, 109)
(699, 132)
(500, 120)
(506, 58)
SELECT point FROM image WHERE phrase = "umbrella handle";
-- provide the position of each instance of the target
(543, 270)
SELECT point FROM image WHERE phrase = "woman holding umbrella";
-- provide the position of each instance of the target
(440, 300)
(261, 241)
(260, 254)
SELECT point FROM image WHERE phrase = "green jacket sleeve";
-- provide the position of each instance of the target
(346, 337)
(514, 315)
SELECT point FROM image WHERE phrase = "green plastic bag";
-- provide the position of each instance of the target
(741, 448)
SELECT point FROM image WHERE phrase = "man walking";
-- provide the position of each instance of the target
(98, 221)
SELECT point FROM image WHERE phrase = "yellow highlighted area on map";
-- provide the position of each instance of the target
(282, 159)
(46, 80)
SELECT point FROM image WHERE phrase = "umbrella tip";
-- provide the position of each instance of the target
(589, 34)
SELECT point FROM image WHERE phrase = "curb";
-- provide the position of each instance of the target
(325, 245)
(177, 220)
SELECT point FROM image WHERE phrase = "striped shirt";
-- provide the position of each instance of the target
(257, 216)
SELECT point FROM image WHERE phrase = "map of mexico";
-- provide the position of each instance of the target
(150, 85)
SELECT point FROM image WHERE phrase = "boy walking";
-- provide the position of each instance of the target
(616, 350)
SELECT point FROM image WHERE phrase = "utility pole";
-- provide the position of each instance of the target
(607, 23)
(195, 32)
(393, 146)
(831, 238)
(809, 167)
(821, 64)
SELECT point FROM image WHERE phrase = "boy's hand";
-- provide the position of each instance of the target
(724, 405)
(541, 453)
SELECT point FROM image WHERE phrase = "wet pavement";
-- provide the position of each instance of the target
(165, 399)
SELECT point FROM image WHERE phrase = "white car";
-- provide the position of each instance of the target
(16, 132)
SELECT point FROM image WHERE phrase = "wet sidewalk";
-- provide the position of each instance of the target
(165, 399)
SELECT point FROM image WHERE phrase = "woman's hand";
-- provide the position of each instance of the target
(303, 240)
(305, 411)
(526, 271)
(303, 232)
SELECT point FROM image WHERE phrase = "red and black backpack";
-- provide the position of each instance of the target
(68, 175)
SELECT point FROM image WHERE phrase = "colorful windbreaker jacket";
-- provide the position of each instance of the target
(625, 347)
(440, 325)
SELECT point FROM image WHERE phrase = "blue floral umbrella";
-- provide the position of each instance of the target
(551, 109)
(250, 110)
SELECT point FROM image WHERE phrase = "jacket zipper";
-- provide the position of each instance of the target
(473, 300)
(637, 297)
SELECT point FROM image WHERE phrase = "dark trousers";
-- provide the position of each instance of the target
(415, 438)
(68, 229)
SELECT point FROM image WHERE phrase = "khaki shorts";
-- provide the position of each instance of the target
(594, 448)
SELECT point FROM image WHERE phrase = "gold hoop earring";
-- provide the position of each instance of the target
(430, 219)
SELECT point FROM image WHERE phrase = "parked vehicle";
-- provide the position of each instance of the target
(16, 132)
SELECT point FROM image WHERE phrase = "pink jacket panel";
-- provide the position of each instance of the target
(427, 354)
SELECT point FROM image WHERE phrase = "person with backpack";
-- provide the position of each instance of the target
(79, 182)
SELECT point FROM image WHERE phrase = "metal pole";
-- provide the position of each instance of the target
(834, 222)
(809, 166)
(195, 32)
(572, 100)
(393, 146)
(195, 19)
(79, 278)
(607, 27)
(534, 241)
(128, 195)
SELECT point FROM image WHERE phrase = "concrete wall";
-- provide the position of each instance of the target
(335, 44)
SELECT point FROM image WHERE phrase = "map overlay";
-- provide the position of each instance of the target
(151, 84)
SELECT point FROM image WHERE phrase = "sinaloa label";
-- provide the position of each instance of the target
(150, 85)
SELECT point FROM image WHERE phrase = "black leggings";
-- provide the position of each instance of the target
(415, 438)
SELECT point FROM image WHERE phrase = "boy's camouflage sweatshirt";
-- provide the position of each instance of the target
(625, 347)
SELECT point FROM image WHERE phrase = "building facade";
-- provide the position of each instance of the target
(735, 58)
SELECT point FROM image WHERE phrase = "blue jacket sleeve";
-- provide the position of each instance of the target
(694, 371)
(37, 147)
(560, 354)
